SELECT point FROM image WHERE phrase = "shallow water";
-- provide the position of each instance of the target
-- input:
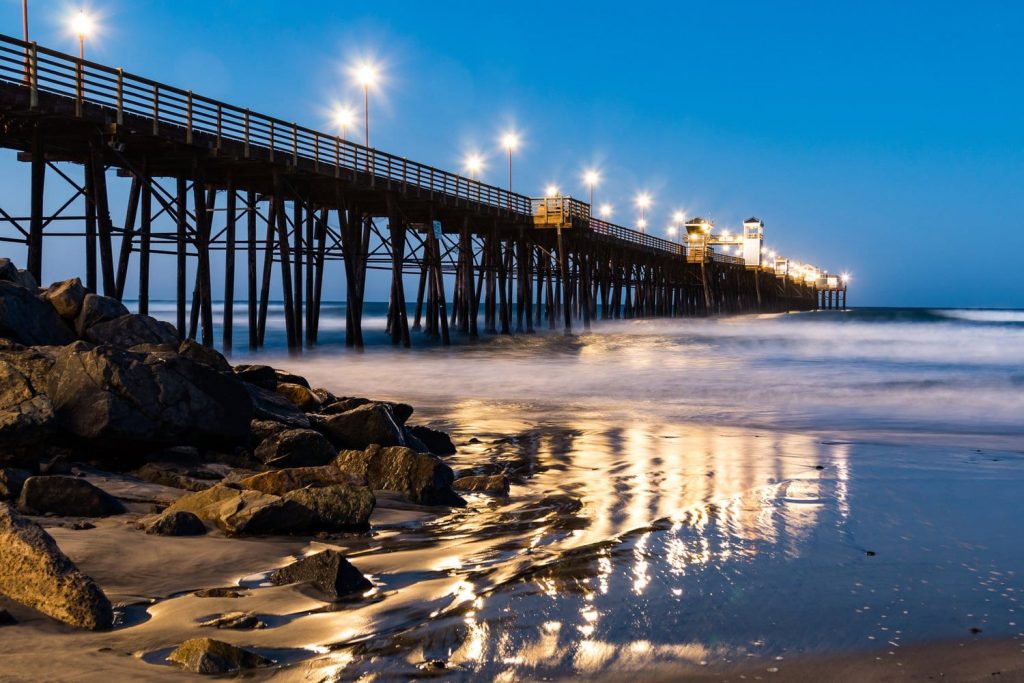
(692, 493)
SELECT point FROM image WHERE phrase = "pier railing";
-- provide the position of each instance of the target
(42, 70)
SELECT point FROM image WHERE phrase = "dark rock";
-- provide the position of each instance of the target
(97, 309)
(11, 481)
(6, 619)
(328, 571)
(280, 482)
(180, 523)
(268, 405)
(124, 398)
(260, 430)
(66, 496)
(420, 477)
(27, 319)
(401, 411)
(66, 298)
(242, 621)
(19, 276)
(325, 397)
(82, 525)
(131, 330)
(203, 355)
(26, 414)
(262, 376)
(219, 593)
(34, 572)
(209, 656)
(239, 512)
(337, 507)
(372, 423)
(56, 464)
(343, 405)
(301, 397)
(496, 484)
(296, 448)
(437, 442)
(474, 440)
(176, 477)
(289, 378)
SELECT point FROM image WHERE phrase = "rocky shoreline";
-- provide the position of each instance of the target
(86, 387)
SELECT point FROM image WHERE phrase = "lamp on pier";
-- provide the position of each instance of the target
(606, 211)
(344, 118)
(591, 177)
(551, 190)
(643, 201)
(510, 141)
(82, 25)
(366, 74)
(474, 163)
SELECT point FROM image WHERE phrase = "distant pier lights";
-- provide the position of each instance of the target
(698, 234)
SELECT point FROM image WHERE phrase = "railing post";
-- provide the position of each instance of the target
(188, 118)
(156, 109)
(316, 151)
(33, 77)
(245, 150)
(120, 96)
(79, 86)
(295, 144)
(405, 174)
(220, 119)
(337, 157)
(271, 139)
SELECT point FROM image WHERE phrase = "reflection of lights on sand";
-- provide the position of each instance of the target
(640, 576)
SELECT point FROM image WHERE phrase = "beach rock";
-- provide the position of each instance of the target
(420, 477)
(240, 512)
(66, 496)
(328, 571)
(123, 398)
(242, 621)
(262, 376)
(34, 572)
(209, 656)
(179, 523)
(27, 319)
(372, 423)
(437, 442)
(280, 482)
(301, 397)
(6, 619)
(188, 479)
(219, 593)
(203, 355)
(66, 297)
(26, 414)
(290, 378)
(11, 482)
(401, 411)
(337, 507)
(325, 397)
(131, 330)
(97, 309)
(343, 405)
(19, 276)
(296, 448)
(268, 405)
(496, 484)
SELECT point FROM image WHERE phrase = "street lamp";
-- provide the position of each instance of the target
(82, 25)
(551, 190)
(344, 117)
(606, 211)
(591, 177)
(366, 75)
(474, 163)
(510, 141)
(643, 201)
(642, 224)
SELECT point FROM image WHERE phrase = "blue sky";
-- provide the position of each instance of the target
(880, 138)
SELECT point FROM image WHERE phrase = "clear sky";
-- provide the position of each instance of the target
(881, 138)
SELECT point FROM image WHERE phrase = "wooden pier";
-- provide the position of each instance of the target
(276, 200)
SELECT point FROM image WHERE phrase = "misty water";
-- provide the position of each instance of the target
(686, 493)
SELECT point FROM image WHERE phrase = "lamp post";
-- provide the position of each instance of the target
(366, 76)
(551, 191)
(343, 118)
(643, 201)
(510, 141)
(606, 211)
(81, 24)
(474, 163)
(591, 177)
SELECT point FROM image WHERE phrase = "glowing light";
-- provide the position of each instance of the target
(510, 141)
(344, 117)
(551, 191)
(643, 200)
(672, 231)
(606, 211)
(642, 224)
(366, 74)
(82, 24)
(845, 277)
(771, 254)
(591, 177)
(725, 234)
(679, 217)
(474, 163)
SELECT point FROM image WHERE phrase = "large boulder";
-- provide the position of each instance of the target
(97, 309)
(34, 572)
(371, 423)
(176, 476)
(401, 411)
(241, 512)
(280, 482)
(26, 414)
(296, 448)
(66, 496)
(262, 376)
(179, 523)
(328, 571)
(11, 482)
(268, 405)
(301, 397)
(27, 319)
(337, 507)
(124, 398)
(495, 484)
(66, 298)
(203, 355)
(437, 442)
(209, 656)
(420, 477)
(11, 273)
(132, 329)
